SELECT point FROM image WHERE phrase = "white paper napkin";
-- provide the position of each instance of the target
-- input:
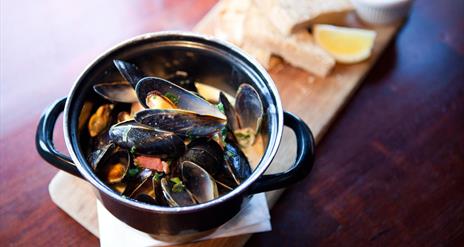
(254, 217)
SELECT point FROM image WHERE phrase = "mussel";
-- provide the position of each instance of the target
(114, 168)
(100, 120)
(244, 119)
(198, 181)
(101, 153)
(237, 163)
(182, 99)
(206, 153)
(143, 139)
(180, 122)
(194, 186)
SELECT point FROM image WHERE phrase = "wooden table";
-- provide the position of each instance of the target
(390, 171)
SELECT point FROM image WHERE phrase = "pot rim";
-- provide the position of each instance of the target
(265, 162)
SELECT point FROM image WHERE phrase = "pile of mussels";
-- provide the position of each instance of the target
(164, 143)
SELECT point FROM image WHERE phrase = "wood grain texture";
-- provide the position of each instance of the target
(390, 172)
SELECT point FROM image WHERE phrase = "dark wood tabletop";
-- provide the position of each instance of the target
(389, 172)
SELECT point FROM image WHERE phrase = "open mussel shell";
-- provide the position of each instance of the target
(183, 99)
(198, 182)
(183, 123)
(100, 154)
(176, 199)
(206, 153)
(143, 139)
(129, 71)
(134, 183)
(249, 107)
(236, 163)
(119, 91)
(149, 190)
(113, 169)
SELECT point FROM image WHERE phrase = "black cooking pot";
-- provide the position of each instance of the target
(212, 62)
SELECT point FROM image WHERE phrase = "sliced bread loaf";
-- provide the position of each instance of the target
(297, 49)
(290, 16)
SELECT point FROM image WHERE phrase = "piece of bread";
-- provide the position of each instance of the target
(262, 55)
(297, 49)
(290, 16)
(227, 24)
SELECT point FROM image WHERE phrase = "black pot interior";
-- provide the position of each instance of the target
(205, 61)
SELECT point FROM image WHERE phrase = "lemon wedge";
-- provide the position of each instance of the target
(346, 45)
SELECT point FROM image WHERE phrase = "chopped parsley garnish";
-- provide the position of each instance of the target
(178, 185)
(175, 180)
(220, 107)
(224, 131)
(132, 150)
(157, 177)
(173, 98)
(132, 172)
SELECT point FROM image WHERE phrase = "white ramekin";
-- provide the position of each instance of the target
(382, 11)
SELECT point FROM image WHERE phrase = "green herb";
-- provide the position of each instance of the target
(157, 177)
(220, 107)
(175, 180)
(132, 150)
(230, 154)
(173, 98)
(223, 134)
(178, 188)
(132, 172)
(178, 185)
(224, 131)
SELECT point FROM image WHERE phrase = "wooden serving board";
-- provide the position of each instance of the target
(315, 100)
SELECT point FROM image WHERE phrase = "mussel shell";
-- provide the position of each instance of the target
(183, 123)
(129, 71)
(231, 114)
(185, 99)
(198, 182)
(249, 107)
(143, 139)
(206, 153)
(176, 199)
(100, 153)
(109, 170)
(135, 183)
(119, 91)
(237, 162)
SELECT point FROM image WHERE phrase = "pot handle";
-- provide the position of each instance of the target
(44, 139)
(303, 163)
